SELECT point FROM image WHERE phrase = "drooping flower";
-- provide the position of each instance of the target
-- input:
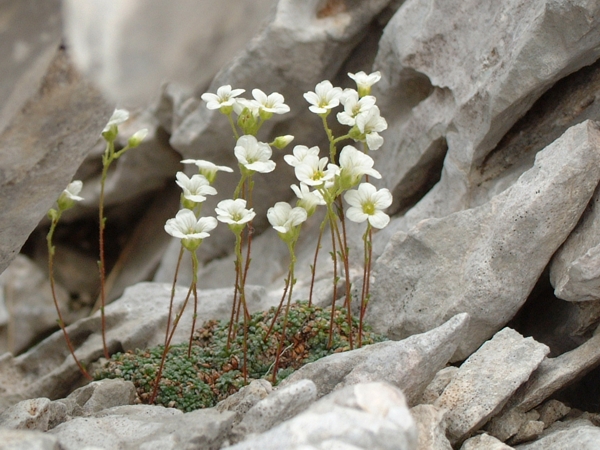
(118, 117)
(354, 164)
(234, 213)
(312, 171)
(367, 203)
(207, 168)
(307, 199)
(189, 229)
(272, 103)
(324, 98)
(299, 153)
(285, 219)
(353, 106)
(137, 138)
(225, 97)
(364, 81)
(370, 123)
(69, 196)
(254, 155)
(195, 189)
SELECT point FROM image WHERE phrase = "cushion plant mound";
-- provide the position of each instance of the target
(215, 369)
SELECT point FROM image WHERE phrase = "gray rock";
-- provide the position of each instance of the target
(280, 405)
(434, 389)
(30, 310)
(363, 416)
(148, 427)
(529, 431)
(100, 395)
(27, 440)
(31, 414)
(575, 269)
(484, 442)
(118, 47)
(487, 379)
(431, 426)
(455, 114)
(244, 399)
(44, 144)
(556, 373)
(30, 38)
(409, 364)
(504, 426)
(132, 322)
(579, 434)
(551, 411)
(485, 260)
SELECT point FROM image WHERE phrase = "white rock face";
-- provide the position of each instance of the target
(486, 260)
(575, 269)
(457, 112)
(363, 416)
(409, 364)
(487, 379)
(42, 147)
(131, 48)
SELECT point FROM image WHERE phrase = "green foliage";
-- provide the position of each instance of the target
(215, 372)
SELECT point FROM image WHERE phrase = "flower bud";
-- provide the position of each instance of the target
(282, 142)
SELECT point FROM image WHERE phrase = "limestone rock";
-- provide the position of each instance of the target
(556, 373)
(484, 442)
(487, 379)
(409, 364)
(118, 46)
(362, 416)
(244, 399)
(100, 395)
(485, 260)
(144, 426)
(43, 146)
(449, 117)
(434, 389)
(579, 434)
(431, 425)
(27, 440)
(575, 269)
(31, 414)
(280, 405)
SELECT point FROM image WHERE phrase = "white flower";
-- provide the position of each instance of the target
(307, 199)
(353, 106)
(273, 103)
(299, 153)
(366, 203)
(73, 189)
(370, 123)
(69, 196)
(118, 117)
(353, 165)
(284, 218)
(137, 138)
(364, 81)
(234, 212)
(190, 230)
(196, 188)
(208, 169)
(252, 105)
(313, 173)
(324, 98)
(254, 155)
(225, 96)
(282, 142)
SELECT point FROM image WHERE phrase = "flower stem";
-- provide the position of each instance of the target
(61, 322)
(364, 300)
(195, 291)
(107, 159)
(291, 282)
